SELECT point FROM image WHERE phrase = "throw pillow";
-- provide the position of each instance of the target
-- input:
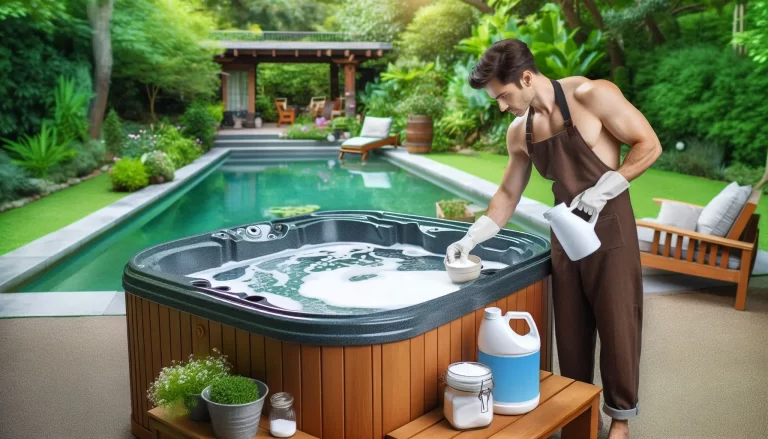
(376, 127)
(718, 216)
(680, 215)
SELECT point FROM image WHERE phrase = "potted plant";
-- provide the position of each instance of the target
(235, 404)
(457, 210)
(178, 388)
(422, 108)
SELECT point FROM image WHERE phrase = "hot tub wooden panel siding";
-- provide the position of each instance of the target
(347, 392)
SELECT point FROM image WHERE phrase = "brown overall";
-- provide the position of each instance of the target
(602, 291)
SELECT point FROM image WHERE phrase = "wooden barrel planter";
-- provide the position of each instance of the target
(418, 134)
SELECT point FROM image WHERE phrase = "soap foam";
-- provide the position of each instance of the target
(329, 278)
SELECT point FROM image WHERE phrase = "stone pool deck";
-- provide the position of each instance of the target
(27, 261)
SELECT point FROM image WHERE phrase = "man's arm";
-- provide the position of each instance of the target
(626, 123)
(516, 177)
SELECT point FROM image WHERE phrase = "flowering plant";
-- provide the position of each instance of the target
(141, 143)
(177, 386)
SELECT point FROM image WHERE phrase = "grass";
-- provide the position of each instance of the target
(55, 211)
(652, 184)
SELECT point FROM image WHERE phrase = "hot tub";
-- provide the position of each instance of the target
(349, 311)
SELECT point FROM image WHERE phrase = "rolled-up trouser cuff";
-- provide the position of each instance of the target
(621, 414)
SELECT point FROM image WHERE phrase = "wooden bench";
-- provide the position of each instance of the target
(706, 255)
(163, 426)
(564, 403)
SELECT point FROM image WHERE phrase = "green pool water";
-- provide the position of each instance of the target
(237, 193)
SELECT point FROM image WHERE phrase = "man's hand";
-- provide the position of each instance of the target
(482, 230)
(608, 187)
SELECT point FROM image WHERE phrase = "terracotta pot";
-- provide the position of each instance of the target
(419, 134)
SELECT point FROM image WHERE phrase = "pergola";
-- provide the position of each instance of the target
(242, 51)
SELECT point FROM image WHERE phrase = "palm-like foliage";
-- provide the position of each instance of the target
(71, 109)
(556, 53)
(41, 152)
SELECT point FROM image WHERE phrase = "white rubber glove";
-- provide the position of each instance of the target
(482, 230)
(610, 186)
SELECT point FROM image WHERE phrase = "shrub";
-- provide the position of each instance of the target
(199, 124)
(305, 132)
(158, 164)
(178, 385)
(699, 158)
(86, 158)
(234, 390)
(216, 112)
(689, 93)
(129, 175)
(285, 211)
(41, 152)
(181, 150)
(743, 174)
(113, 133)
(453, 208)
(14, 183)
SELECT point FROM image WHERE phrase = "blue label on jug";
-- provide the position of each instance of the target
(515, 379)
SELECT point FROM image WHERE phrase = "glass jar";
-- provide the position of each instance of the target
(282, 417)
(468, 401)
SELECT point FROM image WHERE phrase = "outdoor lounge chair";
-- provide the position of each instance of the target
(718, 241)
(374, 134)
(316, 104)
(284, 114)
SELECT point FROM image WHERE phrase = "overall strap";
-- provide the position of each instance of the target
(562, 103)
(529, 128)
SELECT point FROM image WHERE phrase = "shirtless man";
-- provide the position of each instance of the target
(572, 131)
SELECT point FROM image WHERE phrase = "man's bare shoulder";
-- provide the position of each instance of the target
(590, 92)
(516, 135)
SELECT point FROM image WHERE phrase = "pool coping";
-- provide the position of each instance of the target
(529, 212)
(25, 262)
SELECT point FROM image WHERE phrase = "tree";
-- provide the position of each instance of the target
(159, 44)
(437, 28)
(99, 16)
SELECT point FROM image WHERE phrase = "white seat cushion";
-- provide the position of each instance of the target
(359, 141)
(718, 216)
(376, 127)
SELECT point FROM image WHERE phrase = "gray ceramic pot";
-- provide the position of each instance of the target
(239, 421)
(198, 408)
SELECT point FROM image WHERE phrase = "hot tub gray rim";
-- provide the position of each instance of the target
(333, 329)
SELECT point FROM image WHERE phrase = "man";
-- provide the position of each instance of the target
(572, 131)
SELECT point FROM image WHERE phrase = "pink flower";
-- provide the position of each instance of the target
(117, 159)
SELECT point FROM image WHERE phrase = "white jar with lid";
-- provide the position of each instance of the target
(468, 401)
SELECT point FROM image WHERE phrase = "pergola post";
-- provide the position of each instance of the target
(334, 80)
(349, 89)
(252, 89)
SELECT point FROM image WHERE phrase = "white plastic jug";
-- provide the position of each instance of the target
(577, 236)
(513, 360)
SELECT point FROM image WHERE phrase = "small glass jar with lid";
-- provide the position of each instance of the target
(468, 397)
(282, 417)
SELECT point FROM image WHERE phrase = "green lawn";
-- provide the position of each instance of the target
(46, 215)
(652, 184)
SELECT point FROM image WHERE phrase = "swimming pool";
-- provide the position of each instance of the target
(238, 192)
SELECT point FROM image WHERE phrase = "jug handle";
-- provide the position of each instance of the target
(522, 315)
(592, 220)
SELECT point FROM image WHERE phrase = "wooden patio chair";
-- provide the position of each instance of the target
(338, 108)
(284, 114)
(316, 104)
(730, 258)
(374, 134)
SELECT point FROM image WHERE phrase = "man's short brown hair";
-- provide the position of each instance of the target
(505, 60)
